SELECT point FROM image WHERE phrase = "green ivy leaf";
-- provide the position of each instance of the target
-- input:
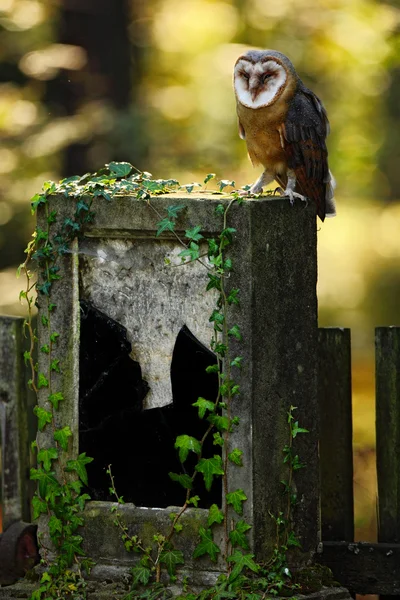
(237, 535)
(223, 183)
(208, 178)
(36, 201)
(44, 288)
(235, 332)
(192, 252)
(42, 381)
(194, 500)
(212, 368)
(194, 233)
(55, 365)
(37, 594)
(185, 480)
(221, 423)
(55, 526)
(78, 465)
(120, 169)
(39, 507)
(215, 515)
(61, 436)
(292, 541)
(206, 545)
(189, 186)
(210, 467)
(45, 349)
(81, 501)
(172, 558)
(54, 336)
(214, 283)
(81, 206)
(236, 457)
(241, 561)
(237, 362)
(165, 225)
(218, 439)
(49, 487)
(141, 575)
(218, 319)
(46, 455)
(72, 546)
(186, 444)
(44, 417)
(220, 209)
(55, 399)
(213, 247)
(204, 405)
(236, 499)
(173, 211)
(76, 486)
(52, 218)
(296, 429)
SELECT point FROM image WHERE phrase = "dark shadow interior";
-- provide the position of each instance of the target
(114, 428)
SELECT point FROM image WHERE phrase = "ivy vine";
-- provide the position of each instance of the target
(61, 480)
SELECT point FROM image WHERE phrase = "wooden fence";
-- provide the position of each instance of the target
(365, 568)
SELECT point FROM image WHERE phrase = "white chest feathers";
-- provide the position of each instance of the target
(257, 84)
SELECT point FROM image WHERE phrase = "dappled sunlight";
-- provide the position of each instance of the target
(180, 121)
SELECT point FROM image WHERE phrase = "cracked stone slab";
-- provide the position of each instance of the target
(143, 285)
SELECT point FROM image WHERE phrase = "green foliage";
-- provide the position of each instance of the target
(215, 515)
(185, 480)
(171, 558)
(204, 405)
(186, 444)
(236, 499)
(206, 545)
(210, 467)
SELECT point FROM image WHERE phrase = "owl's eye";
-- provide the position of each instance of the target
(266, 77)
(246, 76)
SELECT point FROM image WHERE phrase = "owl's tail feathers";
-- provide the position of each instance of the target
(330, 204)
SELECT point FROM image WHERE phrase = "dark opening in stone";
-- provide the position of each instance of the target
(114, 428)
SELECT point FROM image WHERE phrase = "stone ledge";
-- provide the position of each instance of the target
(107, 591)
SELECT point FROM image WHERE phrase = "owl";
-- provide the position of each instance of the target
(285, 127)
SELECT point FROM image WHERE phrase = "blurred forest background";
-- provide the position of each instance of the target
(84, 82)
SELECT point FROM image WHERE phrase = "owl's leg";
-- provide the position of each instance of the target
(290, 187)
(257, 187)
(264, 179)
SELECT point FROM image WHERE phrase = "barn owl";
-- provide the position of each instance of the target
(285, 126)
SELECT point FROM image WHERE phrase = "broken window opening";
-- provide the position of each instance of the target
(114, 428)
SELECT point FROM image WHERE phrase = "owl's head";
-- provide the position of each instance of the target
(260, 76)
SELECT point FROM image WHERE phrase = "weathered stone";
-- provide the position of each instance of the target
(14, 421)
(142, 284)
(274, 258)
(109, 591)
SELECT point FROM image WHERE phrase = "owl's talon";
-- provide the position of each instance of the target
(292, 195)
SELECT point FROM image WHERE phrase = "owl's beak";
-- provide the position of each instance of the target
(254, 93)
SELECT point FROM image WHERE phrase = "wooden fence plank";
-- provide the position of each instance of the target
(364, 568)
(387, 382)
(14, 423)
(336, 454)
(387, 347)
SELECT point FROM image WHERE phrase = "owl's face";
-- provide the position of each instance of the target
(260, 77)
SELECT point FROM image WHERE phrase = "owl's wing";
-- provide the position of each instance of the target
(303, 138)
